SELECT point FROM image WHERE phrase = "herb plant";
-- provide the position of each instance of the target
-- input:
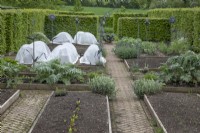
(149, 48)
(128, 48)
(146, 86)
(103, 85)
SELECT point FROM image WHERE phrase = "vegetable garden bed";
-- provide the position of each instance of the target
(7, 97)
(153, 63)
(178, 112)
(91, 117)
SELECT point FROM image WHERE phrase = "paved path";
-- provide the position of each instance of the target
(129, 116)
(20, 116)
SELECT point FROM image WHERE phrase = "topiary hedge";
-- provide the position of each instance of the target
(109, 21)
(157, 30)
(67, 23)
(116, 16)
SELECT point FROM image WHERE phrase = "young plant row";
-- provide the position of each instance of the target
(128, 48)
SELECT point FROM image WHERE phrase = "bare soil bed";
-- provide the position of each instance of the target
(5, 94)
(179, 112)
(150, 62)
(92, 116)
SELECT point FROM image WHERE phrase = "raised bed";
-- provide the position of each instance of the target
(38, 86)
(7, 98)
(153, 63)
(175, 112)
(92, 116)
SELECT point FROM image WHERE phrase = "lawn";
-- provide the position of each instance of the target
(102, 10)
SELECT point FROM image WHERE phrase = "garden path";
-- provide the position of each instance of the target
(21, 115)
(128, 115)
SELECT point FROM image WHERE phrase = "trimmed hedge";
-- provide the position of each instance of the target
(109, 21)
(74, 13)
(67, 23)
(116, 16)
(184, 19)
(196, 32)
(17, 24)
(158, 29)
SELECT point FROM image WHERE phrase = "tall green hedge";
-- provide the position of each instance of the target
(109, 21)
(67, 23)
(116, 16)
(157, 30)
(17, 24)
(196, 35)
(183, 26)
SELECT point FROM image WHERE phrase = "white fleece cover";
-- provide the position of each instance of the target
(66, 53)
(85, 38)
(62, 37)
(25, 53)
(92, 56)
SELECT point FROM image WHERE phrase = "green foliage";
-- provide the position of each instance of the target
(103, 85)
(39, 36)
(163, 47)
(187, 23)
(9, 71)
(60, 92)
(178, 46)
(151, 76)
(32, 3)
(157, 30)
(182, 69)
(116, 17)
(67, 23)
(16, 25)
(77, 6)
(149, 48)
(196, 28)
(53, 71)
(127, 48)
(146, 86)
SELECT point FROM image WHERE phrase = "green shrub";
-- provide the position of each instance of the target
(146, 86)
(127, 48)
(149, 48)
(178, 46)
(157, 30)
(116, 16)
(151, 76)
(103, 85)
(108, 22)
(163, 47)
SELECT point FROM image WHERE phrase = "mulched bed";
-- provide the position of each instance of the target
(151, 62)
(179, 112)
(92, 117)
(5, 94)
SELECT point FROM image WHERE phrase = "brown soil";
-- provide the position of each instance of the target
(92, 117)
(150, 62)
(5, 94)
(179, 112)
